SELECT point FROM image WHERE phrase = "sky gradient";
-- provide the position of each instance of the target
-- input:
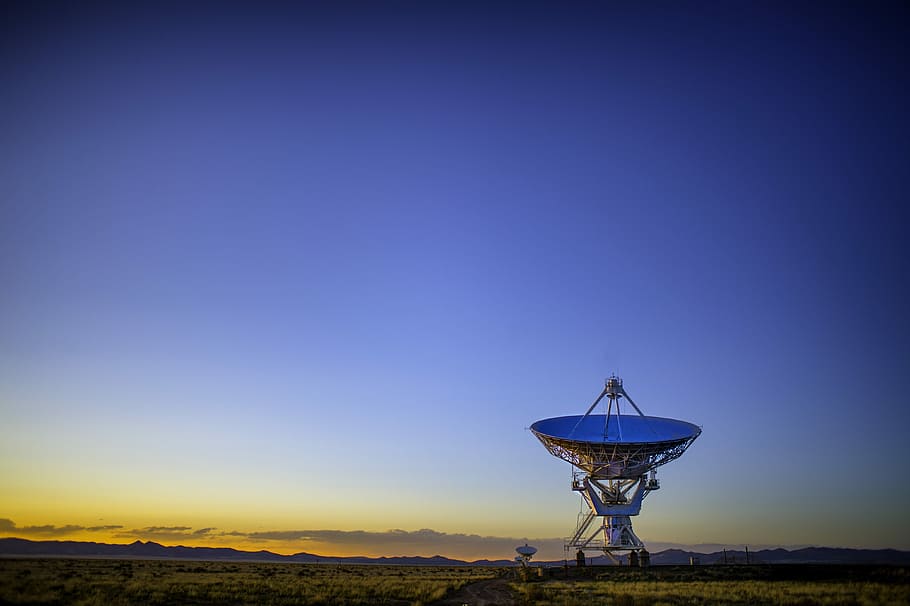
(299, 278)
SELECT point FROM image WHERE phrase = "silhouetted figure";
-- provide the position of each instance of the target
(580, 559)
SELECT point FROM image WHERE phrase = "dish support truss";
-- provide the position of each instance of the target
(607, 461)
(613, 502)
(614, 480)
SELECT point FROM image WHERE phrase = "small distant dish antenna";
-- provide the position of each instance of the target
(525, 553)
(616, 457)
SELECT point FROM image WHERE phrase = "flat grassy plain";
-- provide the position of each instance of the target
(794, 585)
(90, 582)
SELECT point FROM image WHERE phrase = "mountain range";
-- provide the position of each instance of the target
(152, 550)
(10, 547)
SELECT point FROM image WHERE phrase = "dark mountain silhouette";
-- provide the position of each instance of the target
(149, 549)
(136, 549)
(808, 555)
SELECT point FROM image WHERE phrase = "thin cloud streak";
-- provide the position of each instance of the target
(8, 526)
(165, 533)
(398, 542)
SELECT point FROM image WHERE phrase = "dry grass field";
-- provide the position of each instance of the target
(794, 585)
(88, 582)
(656, 593)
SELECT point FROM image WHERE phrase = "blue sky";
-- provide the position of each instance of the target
(284, 268)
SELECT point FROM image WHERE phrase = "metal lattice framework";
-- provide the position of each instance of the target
(607, 461)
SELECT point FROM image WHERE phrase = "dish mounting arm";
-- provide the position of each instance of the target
(591, 409)
(637, 409)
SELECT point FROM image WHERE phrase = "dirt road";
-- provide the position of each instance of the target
(494, 592)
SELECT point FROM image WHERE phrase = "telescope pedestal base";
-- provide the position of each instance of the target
(614, 534)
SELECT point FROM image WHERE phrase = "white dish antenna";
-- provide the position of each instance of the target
(525, 553)
(616, 456)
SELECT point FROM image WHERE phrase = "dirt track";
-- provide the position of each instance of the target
(494, 592)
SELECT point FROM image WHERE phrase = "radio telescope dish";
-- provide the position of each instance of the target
(526, 550)
(618, 446)
(616, 456)
(525, 553)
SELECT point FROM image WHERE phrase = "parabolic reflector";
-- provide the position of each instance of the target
(615, 446)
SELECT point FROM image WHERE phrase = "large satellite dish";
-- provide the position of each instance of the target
(613, 453)
(525, 553)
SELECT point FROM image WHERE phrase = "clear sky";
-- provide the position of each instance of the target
(299, 278)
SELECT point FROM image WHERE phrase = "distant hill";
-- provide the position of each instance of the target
(149, 549)
(808, 555)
